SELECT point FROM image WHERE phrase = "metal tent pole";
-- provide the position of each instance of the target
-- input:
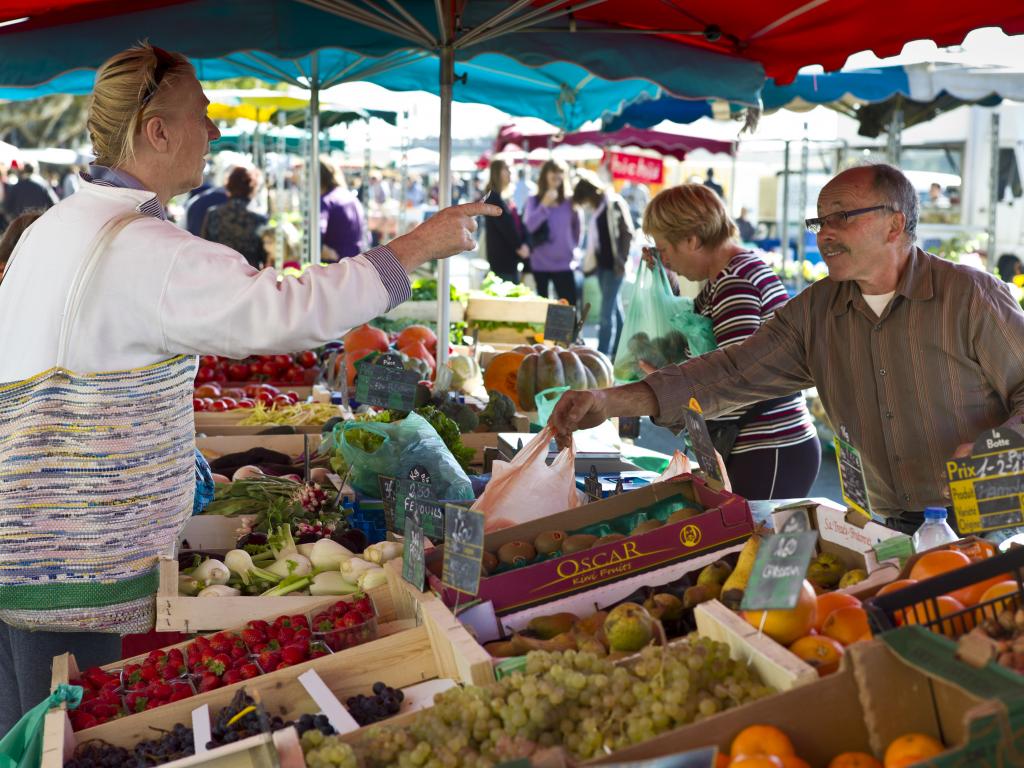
(313, 177)
(801, 241)
(993, 193)
(784, 224)
(444, 197)
(279, 204)
(895, 136)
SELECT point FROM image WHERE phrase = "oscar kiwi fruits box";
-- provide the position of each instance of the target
(601, 542)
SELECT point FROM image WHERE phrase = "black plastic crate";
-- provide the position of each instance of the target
(883, 610)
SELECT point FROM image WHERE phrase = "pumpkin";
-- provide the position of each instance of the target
(414, 333)
(465, 372)
(547, 367)
(366, 337)
(500, 374)
(417, 350)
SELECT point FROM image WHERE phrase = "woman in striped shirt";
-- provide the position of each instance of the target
(771, 449)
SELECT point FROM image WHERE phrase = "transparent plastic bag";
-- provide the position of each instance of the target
(527, 488)
(660, 328)
(410, 448)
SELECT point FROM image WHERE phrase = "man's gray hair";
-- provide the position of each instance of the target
(898, 192)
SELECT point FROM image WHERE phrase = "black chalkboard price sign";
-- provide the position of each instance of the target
(852, 484)
(413, 557)
(703, 448)
(779, 571)
(414, 498)
(388, 491)
(987, 488)
(560, 323)
(386, 385)
(463, 548)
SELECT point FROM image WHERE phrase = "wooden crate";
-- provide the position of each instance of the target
(777, 666)
(178, 613)
(426, 311)
(425, 642)
(220, 445)
(494, 309)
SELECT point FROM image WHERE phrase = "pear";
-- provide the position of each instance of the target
(825, 571)
(716, 574)
(701, 593)
(566, 641)
(629, 627)
(547, 627)
(501, 649)
(851, 577)
(592, 624)
(664, 606)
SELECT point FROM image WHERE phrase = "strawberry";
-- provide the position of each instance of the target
(285, 634)
(296, 653)
(324, 624)
(364, 605)
(248, 671)
(156, 657)
(299, 622)
(181, 692)
(231, 676)
(217, 668)
(150, 672)
(260, 626)
(161, 691)
(239, 649)
(81, 720)
(132, 676)
(349, 620)
(269, 660)
(253, 637)
(209, 682)
(136, 702)
(170, 672)
(96, 678)
(317, 652)
(302, 636)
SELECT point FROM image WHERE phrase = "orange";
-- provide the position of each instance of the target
(1000, 588)
(792, 761)
(854, 760)
(938, 561)
(822, 653)
(829, 602)
(924, 612)
(757, 740)
(786, 626)
(912, 748)
(722, 760)
(972, 595)
(895, 585)
(847, 625)
(756, 761)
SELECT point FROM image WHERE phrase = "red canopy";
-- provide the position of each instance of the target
(785, 35)
(670, 144)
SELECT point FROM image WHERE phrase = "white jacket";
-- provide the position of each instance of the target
(160, 291)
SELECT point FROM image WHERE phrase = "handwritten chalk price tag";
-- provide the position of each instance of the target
(987, 489)
(703, 447)
(463, 548)
(413, 557)
(414, 499)
(853, 486)
(388, 491)
(779, 571)
(560, 323)
(386, 386)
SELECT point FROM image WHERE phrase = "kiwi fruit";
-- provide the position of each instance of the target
(608, 539)
(516, 553)
(578, 543)
(645, 526)
(549, 541)
(488, 562)
(682, 514)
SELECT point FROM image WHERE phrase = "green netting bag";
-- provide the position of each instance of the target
(660, 328)
(22, 747)
(408, 449)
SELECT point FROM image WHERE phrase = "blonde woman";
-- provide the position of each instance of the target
(104, 306)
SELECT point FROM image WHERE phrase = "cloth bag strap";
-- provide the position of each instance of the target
(80, 282)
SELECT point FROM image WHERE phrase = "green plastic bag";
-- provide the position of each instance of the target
(22, 747)
(660, 328)
(408, 449)
(546, 402)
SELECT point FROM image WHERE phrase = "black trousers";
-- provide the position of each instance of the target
(776, 473)
(564, 282)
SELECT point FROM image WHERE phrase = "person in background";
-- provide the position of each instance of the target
(936, 197)
(70, 182)
(771, 449)
(746, 229)
(505, 235)
(12, 234)
(200, 200)
(380, 189)
(31, 192)
(554, 227)
(524, 188)
(913, 356)
(609, 237)
(1009, 267)
(342, 217)
(713, 185)
(233, 224)
(414, 195)
(637, 195)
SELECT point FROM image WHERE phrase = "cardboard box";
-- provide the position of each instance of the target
(726, 520)
(879, 693)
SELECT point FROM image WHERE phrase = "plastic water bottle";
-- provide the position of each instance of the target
(935, 531)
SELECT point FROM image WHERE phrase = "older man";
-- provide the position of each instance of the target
(913, 356)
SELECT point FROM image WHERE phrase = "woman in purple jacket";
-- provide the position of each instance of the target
(554, 226)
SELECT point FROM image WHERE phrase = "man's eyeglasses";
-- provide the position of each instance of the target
(839, 219)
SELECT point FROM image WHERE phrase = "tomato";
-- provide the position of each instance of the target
(198, 404)
(268, 369)
(266, 398)
(307, 359)
(282, 400)
(231, 403)
(219, 406)
(208, 390)
(283, 361)
(210, 361)
(205, 374)
(292, 395)
(295, 374)
(238, 372)
(246, 402)
(268, 388)
(252, 390)
(220, 377)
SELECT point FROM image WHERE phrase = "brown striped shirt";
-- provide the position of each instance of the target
(943, 363)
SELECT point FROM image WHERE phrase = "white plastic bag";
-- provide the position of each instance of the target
(527, 488)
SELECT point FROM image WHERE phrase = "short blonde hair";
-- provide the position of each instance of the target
(131, 87)
(689, 210)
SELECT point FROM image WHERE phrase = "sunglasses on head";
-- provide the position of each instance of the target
(164, 61)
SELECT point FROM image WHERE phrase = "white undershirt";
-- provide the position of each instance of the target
(879, 301)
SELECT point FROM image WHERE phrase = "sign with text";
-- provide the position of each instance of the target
(560, 323)
(592, 484)
(853, 486)
(386, 385)
(388, 491)
(987, 489)
(779, 571)
(463, 548)
(636, 168)
(415, 498)
(703, 448)
(413, 557)
(629, 427)
(899, 548)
